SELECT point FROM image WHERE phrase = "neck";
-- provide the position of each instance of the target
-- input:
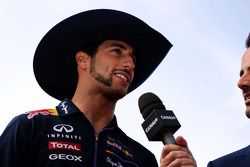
(97, 109)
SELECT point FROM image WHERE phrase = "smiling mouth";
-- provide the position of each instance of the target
(247, 98)
(122, 77)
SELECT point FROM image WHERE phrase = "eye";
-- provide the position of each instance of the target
(117, 50)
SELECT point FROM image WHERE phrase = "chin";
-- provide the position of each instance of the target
(118, 93)
(247, 112)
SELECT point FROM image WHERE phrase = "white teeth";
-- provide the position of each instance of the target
(122, 76)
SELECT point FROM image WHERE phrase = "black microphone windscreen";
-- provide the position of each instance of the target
(148, 102)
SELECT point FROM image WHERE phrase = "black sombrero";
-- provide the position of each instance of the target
(54, 65)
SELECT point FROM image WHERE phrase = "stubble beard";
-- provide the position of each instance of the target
(107, 81)
(99, 77)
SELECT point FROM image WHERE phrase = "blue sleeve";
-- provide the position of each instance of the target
(15, 143)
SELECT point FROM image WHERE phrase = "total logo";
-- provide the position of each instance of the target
(62, 145)
(65, 157)
(63, 128)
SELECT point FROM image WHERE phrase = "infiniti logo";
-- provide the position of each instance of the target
(63, 127)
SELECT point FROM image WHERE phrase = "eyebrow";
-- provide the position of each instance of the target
(119, 45)
(124, 47)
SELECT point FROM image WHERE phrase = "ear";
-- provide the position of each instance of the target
(82, 59)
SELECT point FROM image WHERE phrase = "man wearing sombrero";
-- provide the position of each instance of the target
(89, 61)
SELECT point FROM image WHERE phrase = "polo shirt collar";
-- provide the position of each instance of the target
(67, 107)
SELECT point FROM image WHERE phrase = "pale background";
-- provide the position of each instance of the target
(197, 79)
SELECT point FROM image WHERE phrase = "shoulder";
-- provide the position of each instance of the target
(237, 158)
(26, 121)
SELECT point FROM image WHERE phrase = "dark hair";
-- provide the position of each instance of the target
(91, 48)
(248, 41)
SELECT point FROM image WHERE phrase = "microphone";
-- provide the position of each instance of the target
(159, 124)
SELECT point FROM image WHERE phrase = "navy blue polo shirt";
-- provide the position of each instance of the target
(64, 137)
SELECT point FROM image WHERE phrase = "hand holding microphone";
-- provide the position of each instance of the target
(160, 125)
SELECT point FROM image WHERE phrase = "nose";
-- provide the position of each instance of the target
(244, 82)
(129, 62)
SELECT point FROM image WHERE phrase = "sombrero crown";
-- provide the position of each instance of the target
(54, 65)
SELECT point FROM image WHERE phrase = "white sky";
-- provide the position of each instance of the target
(197, 79)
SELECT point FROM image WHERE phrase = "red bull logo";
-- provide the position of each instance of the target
(31, 114)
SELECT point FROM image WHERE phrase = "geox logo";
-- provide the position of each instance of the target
(65, 157)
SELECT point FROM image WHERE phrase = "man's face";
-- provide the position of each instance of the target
(244, 81)
(113, 66)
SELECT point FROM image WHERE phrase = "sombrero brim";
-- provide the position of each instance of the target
(54, 59)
